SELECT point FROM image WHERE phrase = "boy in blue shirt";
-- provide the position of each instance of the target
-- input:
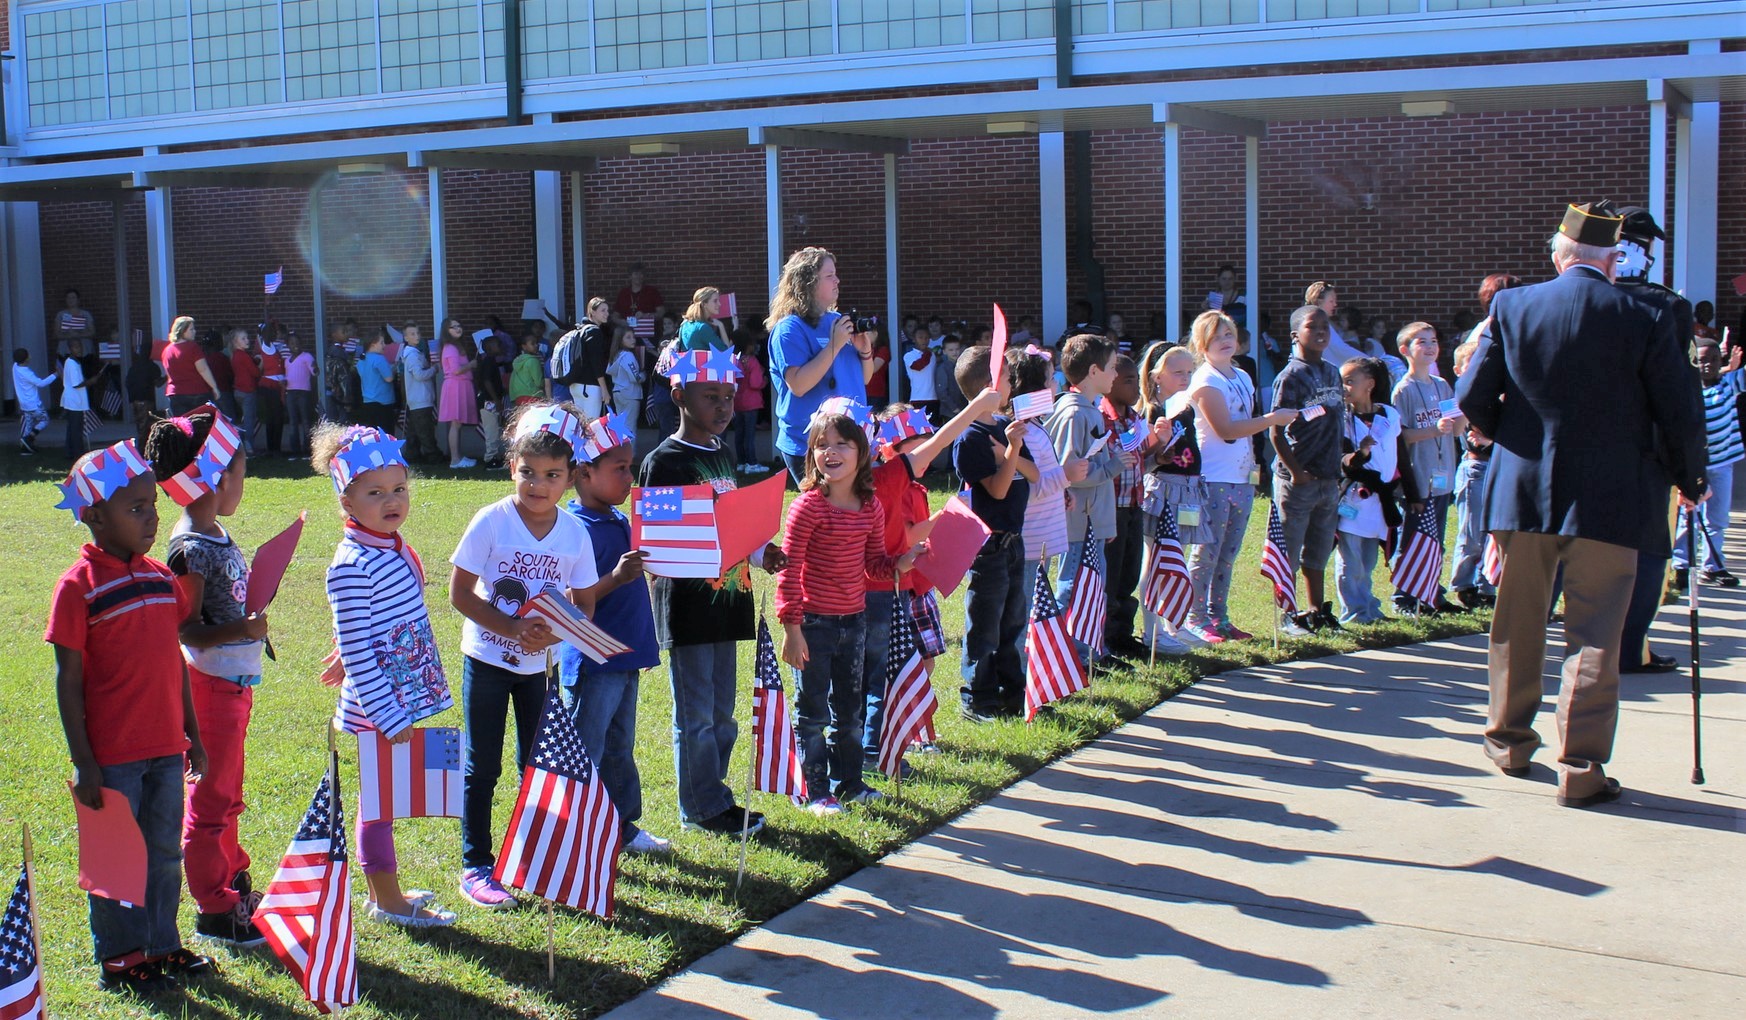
(603, 696)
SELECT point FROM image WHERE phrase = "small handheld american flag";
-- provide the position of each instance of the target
(1276, 565)
(1492, 564)
(775, 758)
(306, 914)
(1087, 608)
(20, 970)
(420, 778)
(1168, 590)
(1419, 564)
(570, 625)
(274, 279)
(909, 698)
(1053, 671)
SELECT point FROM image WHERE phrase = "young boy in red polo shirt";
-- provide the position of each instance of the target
(125, 705)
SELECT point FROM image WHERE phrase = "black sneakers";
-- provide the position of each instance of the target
(1720, 578)
(232, 926)
(730, 822)
(184, 962)
(134, 974)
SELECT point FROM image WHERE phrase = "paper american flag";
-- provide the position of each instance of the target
(1492, 564)
(775, 758)
(1053, 669)
(274, 279)
(570, 625)
(1419, 564)
(676, 526)
(1033, 405)
(1086, 610)
(418, 779)
(909, 697)
(306, 914)
(1168, 590)
(1276, 565)
(563, 839)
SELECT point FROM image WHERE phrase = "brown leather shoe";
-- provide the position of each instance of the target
(1605, 795)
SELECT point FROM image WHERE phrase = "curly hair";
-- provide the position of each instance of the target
(173, 443)
(1027, 373)
(797, 292)
(813, 478)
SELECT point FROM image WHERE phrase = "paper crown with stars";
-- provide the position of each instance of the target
(364, 449)
(703, 366)
(849, 408)
(101, 476)
(605, 433)
(216, 452)
(904, 425)
(557, 419)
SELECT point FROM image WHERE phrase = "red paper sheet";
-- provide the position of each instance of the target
(956, 538)
(730, 306)
(268, 569)
(749, 517)
(997, 350)
(112, 851)
(1740, 284)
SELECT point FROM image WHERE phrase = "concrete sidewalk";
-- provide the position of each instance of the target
(1323, 839)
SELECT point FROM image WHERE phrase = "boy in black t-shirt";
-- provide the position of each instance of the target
(991, 459)
(1306, 473)
(700, 622)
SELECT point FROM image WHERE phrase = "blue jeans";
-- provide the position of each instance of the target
(487, 694)
(153, 788)
(76, 447)
(1440, 512)
(828, 694)
(300, 410)
(1469, 518)
(876, 642)
(1065, 578)
(604, 707)
(746, 436)
(1712, 517)
(1210, 565)
(795, 463)
(994, 618)
(704, 678)
(1357, 562)
(1640, 613)
(249, 406)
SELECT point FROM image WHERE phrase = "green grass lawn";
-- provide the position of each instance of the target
(669, 911)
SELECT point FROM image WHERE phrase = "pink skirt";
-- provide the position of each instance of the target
(458, 402)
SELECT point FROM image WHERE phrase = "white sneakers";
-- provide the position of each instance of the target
(646, 842)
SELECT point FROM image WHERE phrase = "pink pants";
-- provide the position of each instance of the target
(210, 853)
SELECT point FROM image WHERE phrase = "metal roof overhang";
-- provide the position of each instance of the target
(1232, 105)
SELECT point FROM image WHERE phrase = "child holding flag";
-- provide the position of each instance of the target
(201, 463)
(385, 660)
(1173, 483)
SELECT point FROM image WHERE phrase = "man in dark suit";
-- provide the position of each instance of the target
(1574, 376)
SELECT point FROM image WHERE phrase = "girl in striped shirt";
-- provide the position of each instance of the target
(385, 660)
(834, 537)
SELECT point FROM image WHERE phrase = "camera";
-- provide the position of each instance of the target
(863, 323)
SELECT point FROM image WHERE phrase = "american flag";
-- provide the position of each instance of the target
(909, 698)
(1085, 613)
(20, 971)
(1168, 590)
(274, 279)
(1492, 564)
(1134, 437)
(1053, 670)
(1419, 564)
(676, 527)
(420, 778)
(1038, 404)
(111, 399)
(563, 840)
(569, 624)
(1276, 565)
(91, 423)
(776, 759)
(643, 326)
(306, 914)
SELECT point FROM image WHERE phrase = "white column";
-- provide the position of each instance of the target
(548, 216)
(1658, 179)
(1252, 255)
(21, 300)
(123, 313)
(578, 238)
(1698, 263)
(1173, 230)
(893, 315)
(160, 260)
(439, 274)
(773, 214)
(1681, 201)
(318, 292)
(1052, 233)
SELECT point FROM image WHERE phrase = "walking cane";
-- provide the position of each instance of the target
(1691, 589)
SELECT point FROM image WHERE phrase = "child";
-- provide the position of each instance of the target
(419, 378)
(626, 372)
(1045, 531)
(1306, 466)
(1371, 441)
(834, 531)
(1088, 361)
(32, 419)
(700, 621)
(201, 464)
(1173, 483)
(527, 374)
(512, 550)
(918, 366)
(1468, 578)
(1125, 546)
(1426, 405)
(603, 696)
(488, 379)
(376, 386)
(987, 458)
(387, 665)
(945, 383)
(125, 704)
(300, 397)
(1228, 428)
(1722, 428)
(75, 398)
(748, 401)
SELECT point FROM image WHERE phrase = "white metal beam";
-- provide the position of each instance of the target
(160, 260)
(439, 271)
(893, 312)
(1681, 201)
(1252, 260)
(836, 141)
(1173, 230)
(1052, 233)
(1658, 179)
(773, 214)
(548, 217)
(318, 293)
(1208, 120)
(468, 160)
(579, 239)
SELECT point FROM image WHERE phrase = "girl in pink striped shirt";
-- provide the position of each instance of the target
(834, 537)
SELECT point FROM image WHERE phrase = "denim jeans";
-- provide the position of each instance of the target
(796, 465)
(32, 422)
(1640, 613)
(1065, 578)
(994, 618)
(1308, 515)
(1440, 513)
(704, 678)
(746, 436)
(667, 422)
(76, 447)
(487, 694)
(300, 412)
(1357, 563)
(1712, 515)
(248, 404)
(153, 788)
(604, 707)
(877, 643)
(491, 423)
(1210, 565)
(1027, 585)
(270, 412)
(828, 703)
(1469, 520)
(1125, 555)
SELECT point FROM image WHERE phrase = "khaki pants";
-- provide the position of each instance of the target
(1597, 591)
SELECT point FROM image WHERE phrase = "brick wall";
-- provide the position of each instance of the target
(1731, 218)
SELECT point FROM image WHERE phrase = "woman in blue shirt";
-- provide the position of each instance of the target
(814, 355)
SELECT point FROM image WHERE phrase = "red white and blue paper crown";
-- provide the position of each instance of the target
(216, 452)
(553, 418)
(907, 425)
(703, 366)
(101, 477)
(365, 449)
(605, 433)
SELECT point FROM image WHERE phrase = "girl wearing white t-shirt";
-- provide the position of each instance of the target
(513, 550)
(1372, 441)
(1225, 399)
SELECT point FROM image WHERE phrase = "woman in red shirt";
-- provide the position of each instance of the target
(190, 379)
(748, 401)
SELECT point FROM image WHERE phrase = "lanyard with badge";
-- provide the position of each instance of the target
(1445, 409)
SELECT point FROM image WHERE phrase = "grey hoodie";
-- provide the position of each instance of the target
(1075, 426)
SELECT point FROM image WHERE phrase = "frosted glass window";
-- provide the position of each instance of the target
(1152, 15)
(1315, 10)
(1485, 5)
(236, 53)
(430, 44)
(66, 66)
(149, 74)
(1008, 20)
(330, 49)
(870, 25)
(636, 35)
